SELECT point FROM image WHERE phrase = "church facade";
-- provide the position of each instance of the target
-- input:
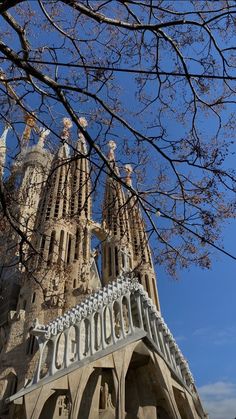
(81, 339)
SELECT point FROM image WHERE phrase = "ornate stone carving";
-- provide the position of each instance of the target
(106, 297)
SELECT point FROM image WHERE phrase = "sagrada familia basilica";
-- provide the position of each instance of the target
(81, 339)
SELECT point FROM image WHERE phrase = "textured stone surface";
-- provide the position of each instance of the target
(70, 348)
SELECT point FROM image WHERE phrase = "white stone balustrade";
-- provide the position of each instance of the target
(108, 316)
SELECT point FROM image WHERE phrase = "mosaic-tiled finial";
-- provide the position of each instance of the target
(67, 125)
(30, 123)
(129, 170)
(112, 146)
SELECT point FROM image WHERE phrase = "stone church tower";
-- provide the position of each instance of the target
(81, 339)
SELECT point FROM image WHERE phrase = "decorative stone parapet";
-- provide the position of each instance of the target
(120, 309)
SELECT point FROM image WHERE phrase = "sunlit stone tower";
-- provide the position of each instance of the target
(117, 254)
(76, 343)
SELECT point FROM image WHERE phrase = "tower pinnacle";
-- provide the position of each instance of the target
(67, 125)
(117, 252)
(112, 146)
(129, 170)
(29, 125)
(143, 264)
(3, 148)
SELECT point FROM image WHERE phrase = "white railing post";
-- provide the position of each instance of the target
(54, 341)
(123, 301)
(91, 348)
(131, 325)
(66, 348)
(102, 311)
(139, 306)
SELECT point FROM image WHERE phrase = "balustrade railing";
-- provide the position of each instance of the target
(107, 317)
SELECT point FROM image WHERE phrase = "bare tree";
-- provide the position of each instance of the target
(156, 76)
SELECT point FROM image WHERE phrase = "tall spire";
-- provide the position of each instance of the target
(117, 250)
(3, 148)
(64, 238)
(81, 183)
(55, 204)
(143, 264)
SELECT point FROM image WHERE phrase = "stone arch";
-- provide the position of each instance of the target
(107, 395)
(8, 387)
(99, 396)
(57, 405)
(144, 395)
(88, 394)
(182, 404)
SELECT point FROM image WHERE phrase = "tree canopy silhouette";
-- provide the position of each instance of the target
(159, 78)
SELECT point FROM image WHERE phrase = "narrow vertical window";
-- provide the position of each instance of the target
(61, 242)
(51, 247)
(77, 240)
(69, 249)
(42, 244)
(116, 261)
(66, 247)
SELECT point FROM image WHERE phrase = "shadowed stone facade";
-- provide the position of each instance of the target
(76, 343)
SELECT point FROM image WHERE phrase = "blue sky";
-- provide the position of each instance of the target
(200, 310)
